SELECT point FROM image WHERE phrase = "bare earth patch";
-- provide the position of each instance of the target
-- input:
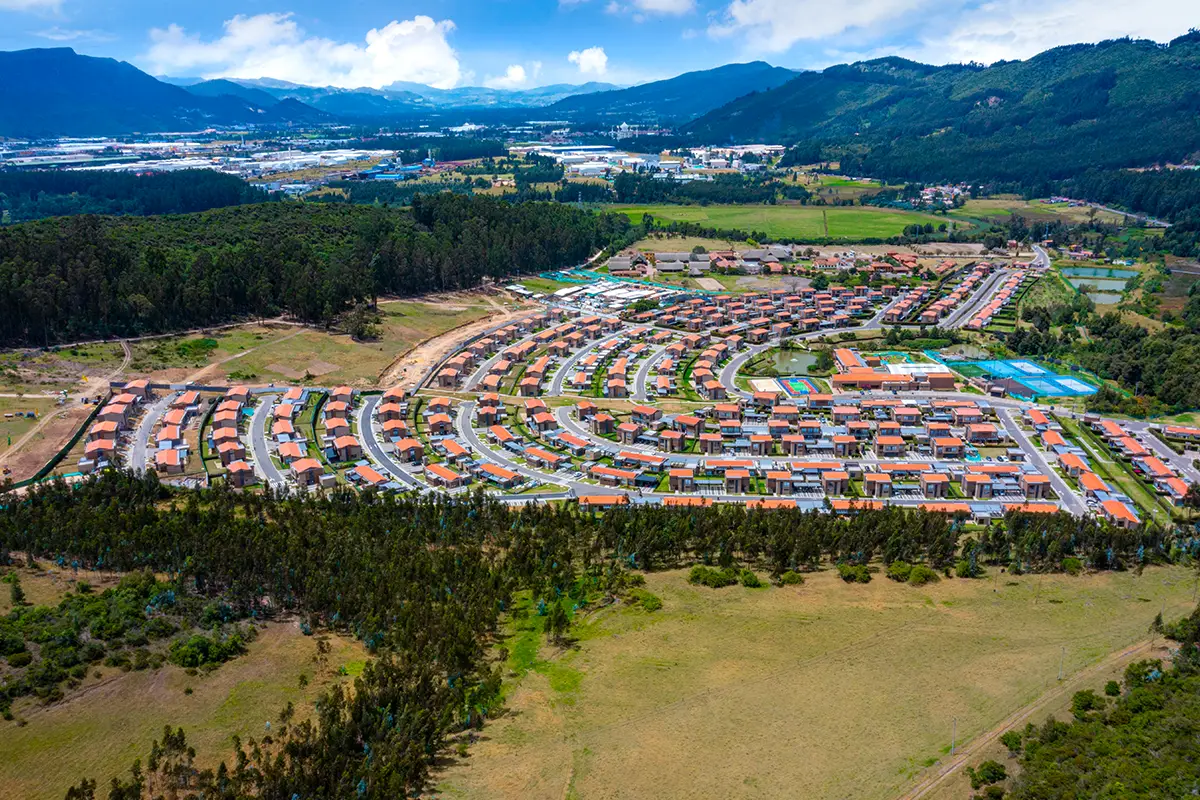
(712, 284)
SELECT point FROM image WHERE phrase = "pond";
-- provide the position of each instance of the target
(1103, 299)
(794, 362)
(1099, 272)
(1095, 283)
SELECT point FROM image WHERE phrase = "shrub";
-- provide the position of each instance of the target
(899, 571)
(1072, 566)
(991, 793)
(1011, 740)
(712, 578)
(647, 600)
(964, 569)
(791, 578)
(922, 574)
(987, 772)
(854, 573)
(201, 651)
(1085, 701)
(1112, 689)
(750, 580)
(18, 660)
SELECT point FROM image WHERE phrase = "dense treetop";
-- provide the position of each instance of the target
(1118, 103)
(87, 276)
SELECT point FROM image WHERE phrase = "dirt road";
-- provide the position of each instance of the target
(408, 367)
(1030, 713)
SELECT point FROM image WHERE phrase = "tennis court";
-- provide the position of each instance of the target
(798, 387)
(1050, 385)
(1042, 381)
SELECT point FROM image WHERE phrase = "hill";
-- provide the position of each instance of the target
(680, 98)
(221, 87)
(1113, 104)
(57, 92)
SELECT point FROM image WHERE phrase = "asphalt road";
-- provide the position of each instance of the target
(1070, 500)
(139, 450)
(259, 444)
(369, 436)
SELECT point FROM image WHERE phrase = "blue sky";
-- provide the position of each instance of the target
(521, 43)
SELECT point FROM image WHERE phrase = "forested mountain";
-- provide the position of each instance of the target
(679, 99)
(81, 277)
(1114, 104)
(28, 196)
(57, 92)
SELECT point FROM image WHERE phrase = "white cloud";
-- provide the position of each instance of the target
(515, 77)
(643, 9)
(664, 6)
(57, 34)
(776, 25)
(1008, 29)
(947, 31)
(30, 5)
(274, 46)
(593, 61)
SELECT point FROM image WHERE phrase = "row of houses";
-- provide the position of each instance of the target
(1075, 463)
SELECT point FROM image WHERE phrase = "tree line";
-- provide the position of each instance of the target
(424, 582)
(38, 194)
(88, 276)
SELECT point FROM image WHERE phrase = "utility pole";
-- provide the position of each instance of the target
(953, 735)
(1061, 659)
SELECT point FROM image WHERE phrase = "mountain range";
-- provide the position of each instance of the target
(1113, 104)
(677, 99)
(57, 92)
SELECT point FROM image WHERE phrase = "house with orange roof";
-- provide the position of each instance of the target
(878, 484)
(169, 462)
(347, 448)
(1119, 514)
(366, 476)
(935, 484)
(504, 478)
(231, 451)
(239, 475)
(1035, 485)
(307, 471)
(439, 475)
(1073, 464)
(602, 501)
(410, 450)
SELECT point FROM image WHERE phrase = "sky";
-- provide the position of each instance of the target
(519, 44)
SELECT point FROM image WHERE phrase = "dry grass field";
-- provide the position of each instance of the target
(108, 722)
(826, 690)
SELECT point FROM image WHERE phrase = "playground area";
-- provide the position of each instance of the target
(798, 387)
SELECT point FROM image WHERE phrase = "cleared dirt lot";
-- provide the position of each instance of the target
(828, 690)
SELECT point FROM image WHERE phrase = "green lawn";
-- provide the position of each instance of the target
(791, 222)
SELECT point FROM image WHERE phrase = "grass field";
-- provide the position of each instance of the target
(43, 371)
(995, 209)
(828, 690)
(107, 723)
(286, 354)
(791, 222)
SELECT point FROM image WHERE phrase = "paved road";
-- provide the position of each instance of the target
(965, 312)
(468, 434)
(139, 449)
(259, 444)
(1070, 500)
(369, 436)
(564, 372)
(643, 373)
